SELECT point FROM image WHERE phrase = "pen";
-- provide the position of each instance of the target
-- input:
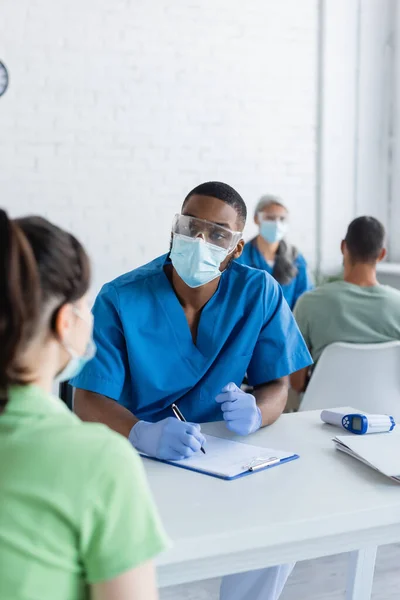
(180, 417)
(261, 464)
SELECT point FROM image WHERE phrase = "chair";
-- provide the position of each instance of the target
(363, 376)
(66, 394)
(367, 377)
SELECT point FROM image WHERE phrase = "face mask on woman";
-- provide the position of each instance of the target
(273, 231)
(77, 362)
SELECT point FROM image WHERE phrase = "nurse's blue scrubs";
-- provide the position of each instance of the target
(146, 358)
(292, 291)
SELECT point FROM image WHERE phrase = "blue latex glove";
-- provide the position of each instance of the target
(169, 439)
(240, 410)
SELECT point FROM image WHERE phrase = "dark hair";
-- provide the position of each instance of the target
(284, 268)
(42, 267)
(224, 192)
(365, 239)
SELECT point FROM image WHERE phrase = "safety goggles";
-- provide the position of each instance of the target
(210, 232)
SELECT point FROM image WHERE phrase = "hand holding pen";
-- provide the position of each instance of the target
(180, 417)
(169, 439)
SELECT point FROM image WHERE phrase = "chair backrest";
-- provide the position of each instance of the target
(363, 376)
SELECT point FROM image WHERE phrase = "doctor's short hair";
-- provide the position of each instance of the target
(224, 192)
(365, 239)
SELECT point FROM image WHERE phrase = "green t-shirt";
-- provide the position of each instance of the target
(343, 312)
(74, 502)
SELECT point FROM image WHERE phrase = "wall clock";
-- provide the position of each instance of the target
(3, 78)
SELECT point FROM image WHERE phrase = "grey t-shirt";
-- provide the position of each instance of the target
(344, 312)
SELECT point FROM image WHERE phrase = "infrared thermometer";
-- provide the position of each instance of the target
(358, 422)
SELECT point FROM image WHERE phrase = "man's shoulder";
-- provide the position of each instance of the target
(391, 292)
(391, 295)
(320, 295)
(138, 275)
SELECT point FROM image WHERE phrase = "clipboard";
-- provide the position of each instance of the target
(230, 460)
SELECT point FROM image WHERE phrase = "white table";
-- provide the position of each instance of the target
(324, 503)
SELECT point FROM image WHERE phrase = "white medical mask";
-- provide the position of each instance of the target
(273, 231)
(197, 262)
(76, 363)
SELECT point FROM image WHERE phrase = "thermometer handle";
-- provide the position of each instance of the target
(380, 423)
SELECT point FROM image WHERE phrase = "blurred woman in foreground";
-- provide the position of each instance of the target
(75, 508)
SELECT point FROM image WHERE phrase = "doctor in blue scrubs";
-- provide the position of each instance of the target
(185, 329)
(271, 252)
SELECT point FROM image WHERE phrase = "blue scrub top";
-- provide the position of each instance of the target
(146, 358)
(292, 291)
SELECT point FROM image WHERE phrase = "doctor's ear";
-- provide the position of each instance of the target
(239, 249)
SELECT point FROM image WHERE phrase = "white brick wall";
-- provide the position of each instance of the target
(116, 109)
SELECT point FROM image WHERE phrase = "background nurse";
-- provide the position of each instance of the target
(271, 252)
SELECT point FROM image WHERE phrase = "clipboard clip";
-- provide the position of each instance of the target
(261, 463)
